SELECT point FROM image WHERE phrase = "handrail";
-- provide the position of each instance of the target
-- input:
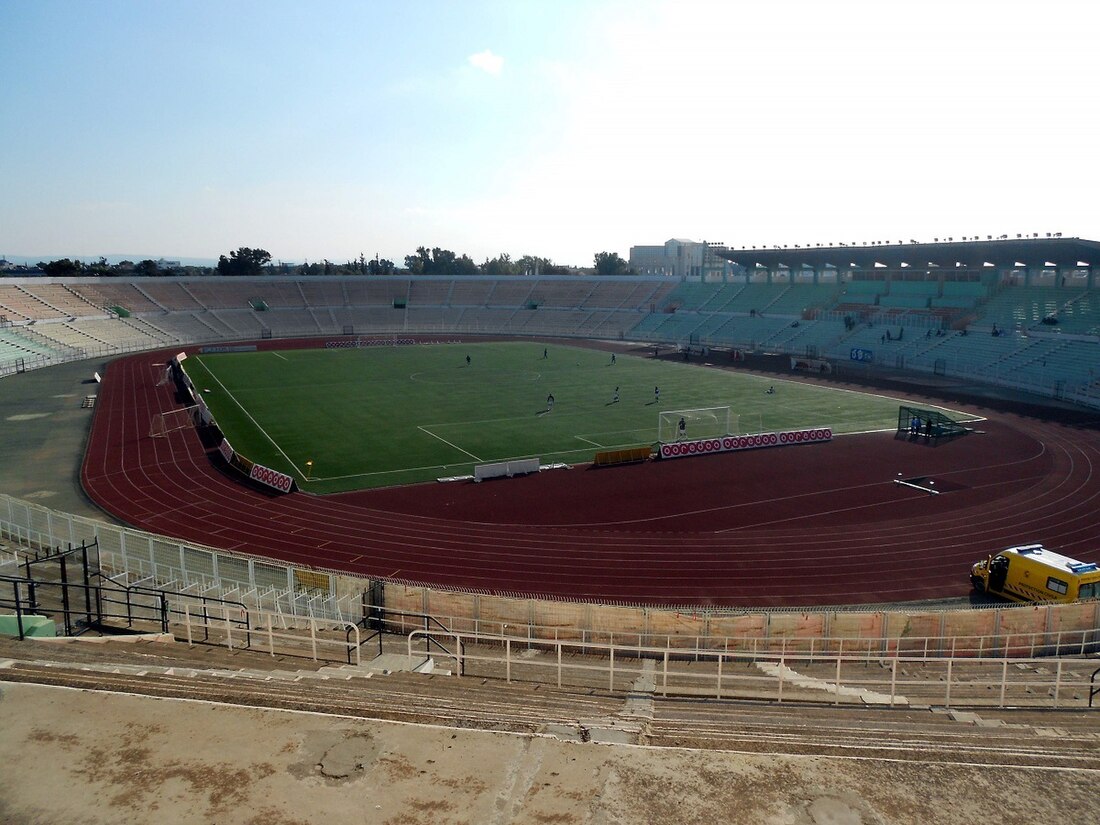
(347, 638)
(787, 677)
(164, 596)
(457, 655)
(429, 620)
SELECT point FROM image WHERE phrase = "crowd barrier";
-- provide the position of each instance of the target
(263, 584)
(610, 458)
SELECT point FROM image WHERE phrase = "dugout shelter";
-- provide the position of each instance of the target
(917, 422)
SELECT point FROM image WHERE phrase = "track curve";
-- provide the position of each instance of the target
(817, 525)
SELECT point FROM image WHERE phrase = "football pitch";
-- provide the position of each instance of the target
(347, 419)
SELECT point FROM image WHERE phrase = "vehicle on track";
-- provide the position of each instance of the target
(1031, 573)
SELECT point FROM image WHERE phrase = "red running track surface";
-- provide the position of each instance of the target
(788, 526)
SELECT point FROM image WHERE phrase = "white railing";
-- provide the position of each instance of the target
(836, 679)
(160, 561)
(135, 557)
(265, 632)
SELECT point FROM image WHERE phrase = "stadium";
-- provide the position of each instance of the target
(839, 433)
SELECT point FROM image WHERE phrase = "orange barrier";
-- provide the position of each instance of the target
(609, 458)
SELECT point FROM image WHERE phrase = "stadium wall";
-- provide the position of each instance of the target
(265, 585)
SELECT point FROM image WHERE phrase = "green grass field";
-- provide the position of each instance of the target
(380, 416)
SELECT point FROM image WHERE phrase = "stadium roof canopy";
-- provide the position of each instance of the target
(1033, 253)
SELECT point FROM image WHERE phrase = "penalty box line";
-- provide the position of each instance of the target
(426, 431)
(590, 438)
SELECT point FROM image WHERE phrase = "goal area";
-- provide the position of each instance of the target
(681, 425)
(172, 420)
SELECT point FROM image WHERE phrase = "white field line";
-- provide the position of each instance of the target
(448, 443)
(587, 450)
(279, 356)
(588, 440)
(397, 471)
(481, 421)
(256, 423)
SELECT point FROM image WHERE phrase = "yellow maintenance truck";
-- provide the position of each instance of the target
(1031, 573)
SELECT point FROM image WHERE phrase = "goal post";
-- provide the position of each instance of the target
(707, 422)
(172, 420)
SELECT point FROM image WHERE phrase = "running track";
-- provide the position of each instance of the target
(788, 526)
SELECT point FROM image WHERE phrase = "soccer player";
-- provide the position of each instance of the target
(550, 401)
(545, 354)
(656, 395)
(615, 399)
(467, 360)
(682, 427)
(612, 358)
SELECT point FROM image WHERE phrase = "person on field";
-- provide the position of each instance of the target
(656, 395)
(545, 354)
(550, 401)
(467, 360)
(615, 398)
(681, 427)
(612, 358)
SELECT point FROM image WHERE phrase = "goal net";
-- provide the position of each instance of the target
(172, 420)
(681, 425)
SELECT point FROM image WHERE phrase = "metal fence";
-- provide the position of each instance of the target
(157, 561)
(137, 559)
(777, 677)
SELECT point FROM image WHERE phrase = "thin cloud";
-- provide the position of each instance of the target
(487, 61)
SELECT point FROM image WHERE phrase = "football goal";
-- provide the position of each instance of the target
(172, 420)
(680, 425)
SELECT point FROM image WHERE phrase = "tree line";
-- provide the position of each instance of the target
(255, 261)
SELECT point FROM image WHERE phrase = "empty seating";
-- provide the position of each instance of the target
(429, 292)
(1023, 307)
(19, 305)
(318, 293)
(510, 293)
(170, 295)
(469, 292)
(64, 300)
(128, 296)
(158, 312)
(610, 294)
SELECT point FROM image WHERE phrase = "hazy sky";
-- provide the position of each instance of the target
(559, 129)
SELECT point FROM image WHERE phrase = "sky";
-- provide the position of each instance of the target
(188, 128)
